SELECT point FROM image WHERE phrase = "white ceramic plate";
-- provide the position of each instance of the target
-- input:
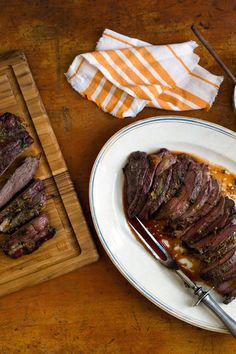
(157, 283)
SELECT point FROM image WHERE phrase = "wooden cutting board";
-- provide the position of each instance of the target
(72, 246)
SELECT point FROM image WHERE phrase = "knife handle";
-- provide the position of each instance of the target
(228, 321)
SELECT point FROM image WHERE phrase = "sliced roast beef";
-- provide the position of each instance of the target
(204, 225)
(214, 194)
(187, 195)
(157, 194)
(32, 208)
(134, 171)
(13, 139)
(21, 202)
(227, 286)
(25, 201)
(218, 252)
(228, 289)
(193, 212)
(214, 242)
(167, 161)
(182, 224)
(213, 198)
(29, 237)
(216, 270)
(230, 274)
(179, 171)
(11, 150)
(156, 165)
(181, 192)
(222, 219)
(19, 179)
(154, 198)
(141, 196)
(10, 127)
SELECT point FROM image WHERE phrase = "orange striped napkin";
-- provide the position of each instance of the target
(125, 74)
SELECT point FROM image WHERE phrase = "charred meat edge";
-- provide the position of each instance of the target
(19, 179)
(29, 237)
(200, 202)
(187, 195)
(159, 187)
(19, 203)
(141, 187)
(31, 209)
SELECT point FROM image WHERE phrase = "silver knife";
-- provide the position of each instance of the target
(169, 262)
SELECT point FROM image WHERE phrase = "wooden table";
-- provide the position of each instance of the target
(94, 309)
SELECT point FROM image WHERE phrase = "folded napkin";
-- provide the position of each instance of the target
(125, 74)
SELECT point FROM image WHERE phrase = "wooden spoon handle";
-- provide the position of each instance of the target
(213, 53)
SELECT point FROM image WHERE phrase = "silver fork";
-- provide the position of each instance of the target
(169, 262)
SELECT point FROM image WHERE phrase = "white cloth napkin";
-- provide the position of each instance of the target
(125, 74)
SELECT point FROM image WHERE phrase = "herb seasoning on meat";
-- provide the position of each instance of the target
(189, 205)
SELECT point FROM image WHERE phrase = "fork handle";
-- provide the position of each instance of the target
(228, 321)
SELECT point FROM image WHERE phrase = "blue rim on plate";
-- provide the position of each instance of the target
(120, 267)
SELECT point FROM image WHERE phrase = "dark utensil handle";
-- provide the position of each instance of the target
(213, 53)
(228, 321)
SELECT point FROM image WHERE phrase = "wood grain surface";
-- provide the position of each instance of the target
(94, 309)
(72, 247)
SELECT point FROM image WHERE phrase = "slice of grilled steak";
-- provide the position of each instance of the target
(166, 162)
(142, 193)
(230, 274)
(212, 200)
(156, 195)
(191, 202)
(14, 139)
(20, 202)
(9, 151)
(216, 270)
(134, 171)
(159, 186)
(32, 208)
(187, 194)
(228, 289)
(29, 237)
(222, 219)
(214, 242)
(179, 170)
(10, 127)
(24, 201)
(181, 224)
(227, 286)
(152, 166)
(193, 212)
(19, 179)
(204, 225)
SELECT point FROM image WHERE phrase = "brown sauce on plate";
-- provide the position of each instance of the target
(186, 261)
